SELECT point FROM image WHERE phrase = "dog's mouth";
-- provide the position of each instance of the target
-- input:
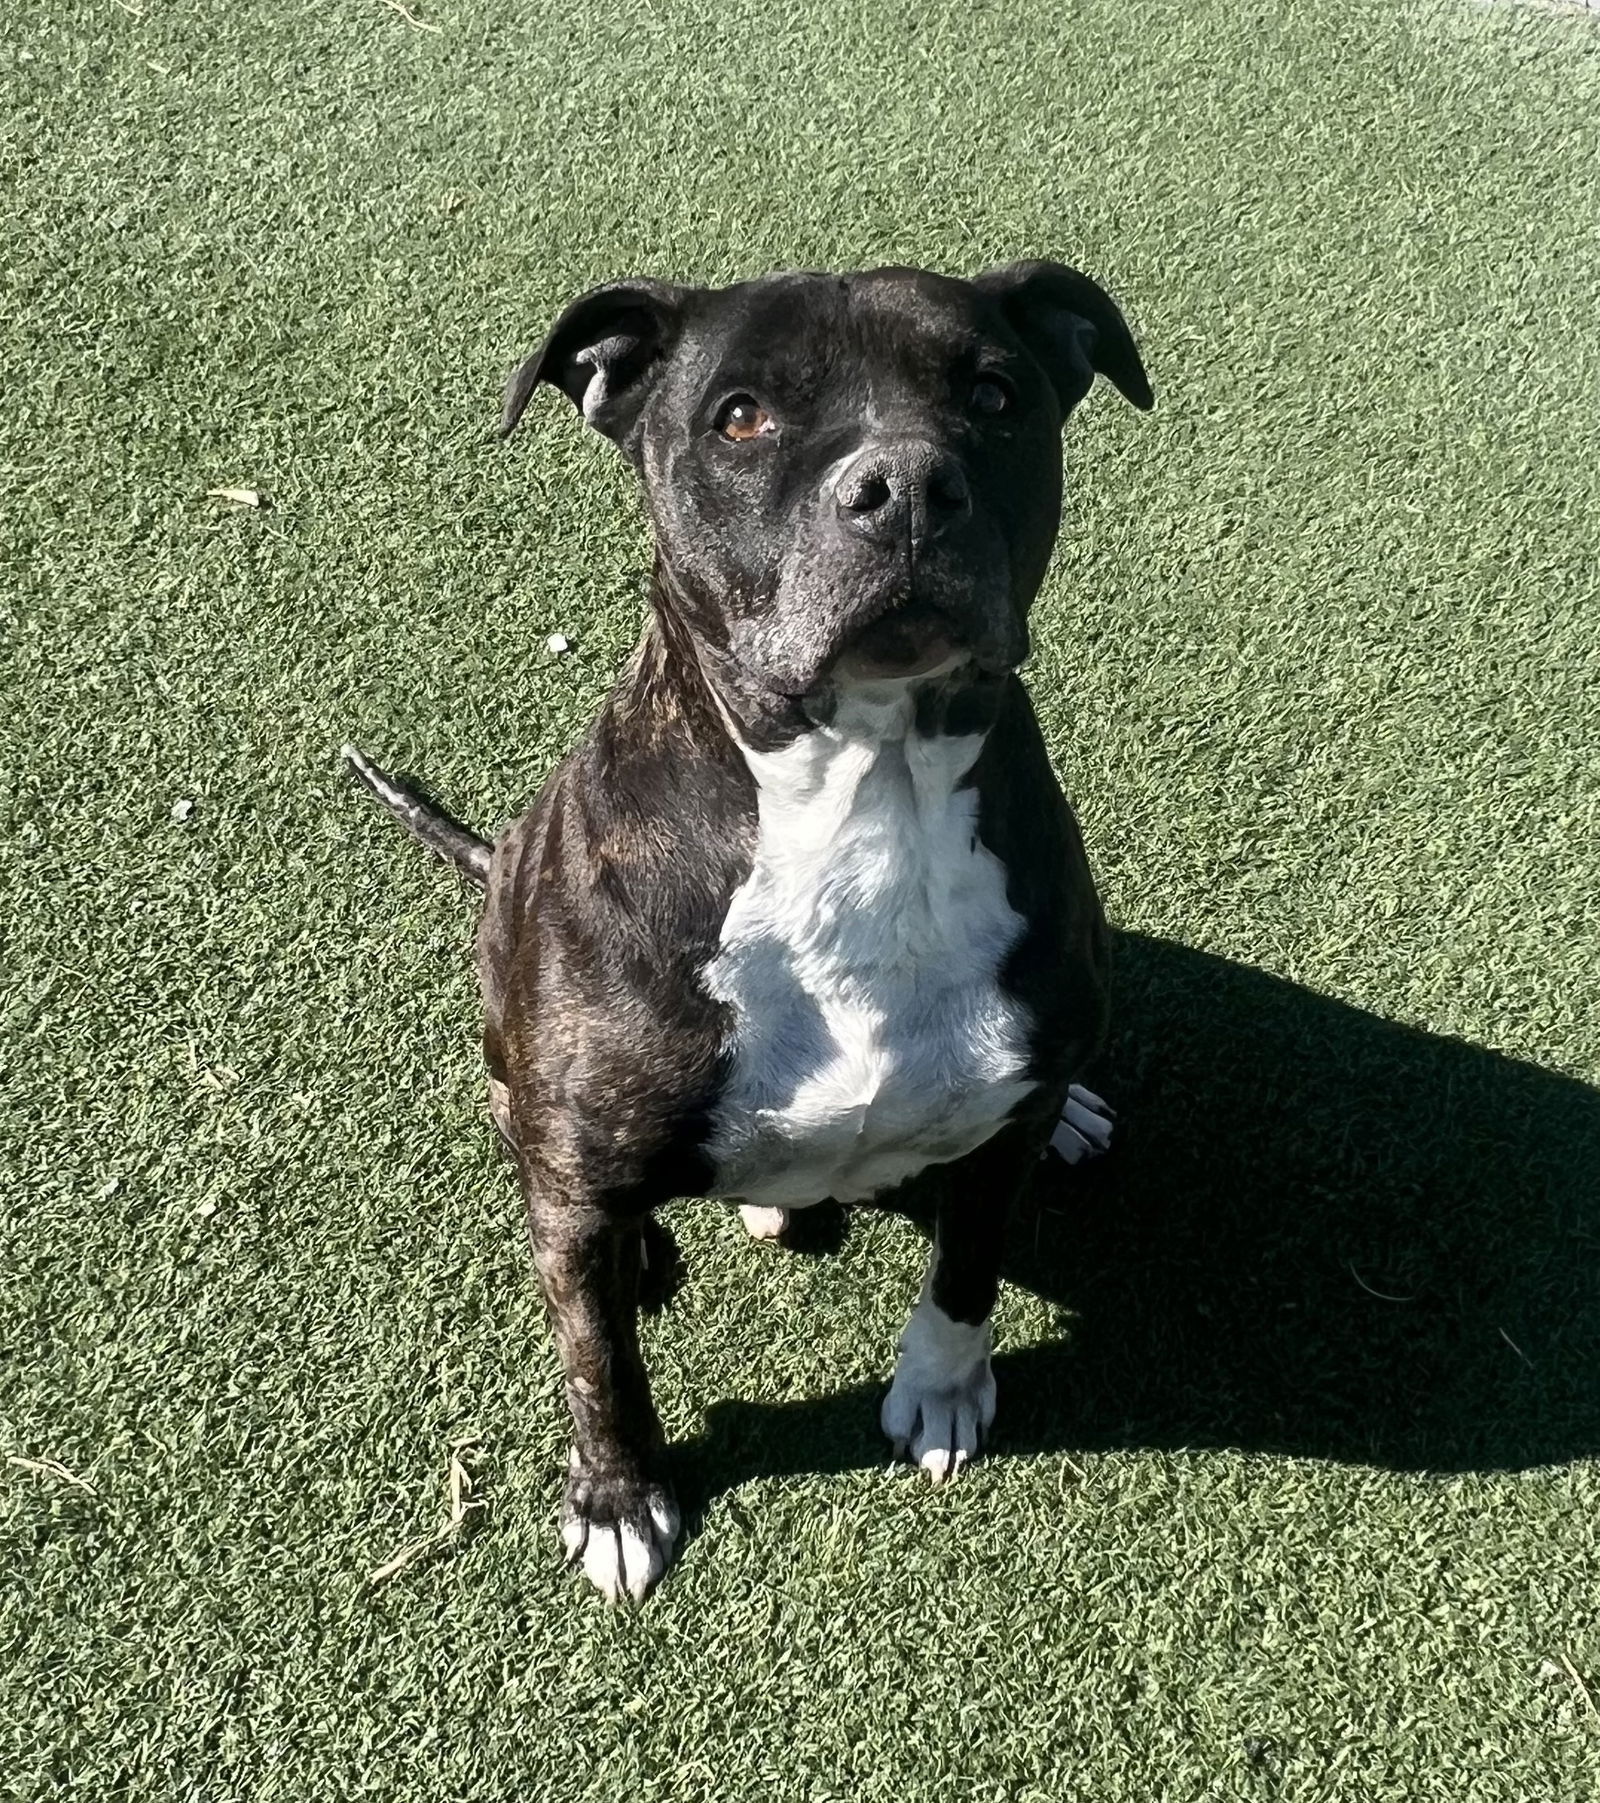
(904, 643)
(834, 627)
(917, 637)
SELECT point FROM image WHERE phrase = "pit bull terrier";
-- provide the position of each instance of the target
(805, 915)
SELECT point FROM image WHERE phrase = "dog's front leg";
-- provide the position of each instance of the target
(941, 1402)
(619, 1517)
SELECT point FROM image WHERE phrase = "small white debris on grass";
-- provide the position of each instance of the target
(1576, 1678)
(240, 497)
(50, 1468)
(182, 809)
(410, 17)
(558, 644)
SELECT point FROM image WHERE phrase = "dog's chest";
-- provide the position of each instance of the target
(860, 961)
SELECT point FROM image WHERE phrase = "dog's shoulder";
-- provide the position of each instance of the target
(604, 901)
(640, 834)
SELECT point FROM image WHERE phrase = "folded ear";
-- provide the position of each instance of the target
(1072, 326)
(602, 353)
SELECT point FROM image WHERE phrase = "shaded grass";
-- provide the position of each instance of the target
(1318, 660)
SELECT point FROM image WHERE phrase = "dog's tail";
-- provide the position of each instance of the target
(424, 819)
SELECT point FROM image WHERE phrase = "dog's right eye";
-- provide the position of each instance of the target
(743, 418)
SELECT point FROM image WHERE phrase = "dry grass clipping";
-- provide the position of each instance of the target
(465, 1507)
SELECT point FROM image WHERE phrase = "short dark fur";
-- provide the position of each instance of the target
(425, 819)
(605, 900)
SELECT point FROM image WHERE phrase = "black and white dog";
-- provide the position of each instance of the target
(805, 915)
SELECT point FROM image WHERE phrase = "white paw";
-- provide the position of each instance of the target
(941, 1402)
(623, 1553)
(764, 1223)
(1084, 1130)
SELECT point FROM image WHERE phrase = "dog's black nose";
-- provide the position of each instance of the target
(910, 491)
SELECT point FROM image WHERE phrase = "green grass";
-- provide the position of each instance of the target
(1294, 1493)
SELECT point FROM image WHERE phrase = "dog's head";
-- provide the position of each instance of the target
(850, 477)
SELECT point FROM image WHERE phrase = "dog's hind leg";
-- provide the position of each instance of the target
(764, 1223)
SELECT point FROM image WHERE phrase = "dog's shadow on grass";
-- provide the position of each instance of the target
(1320, 1234)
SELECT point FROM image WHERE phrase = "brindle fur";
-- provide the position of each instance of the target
(608, 1095)
(605, 901)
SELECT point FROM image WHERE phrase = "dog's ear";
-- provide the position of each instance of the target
(1072, 326)
(602, 353)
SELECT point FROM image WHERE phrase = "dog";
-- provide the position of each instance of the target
(805, 915)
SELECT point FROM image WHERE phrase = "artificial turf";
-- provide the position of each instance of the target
(1293, 1492)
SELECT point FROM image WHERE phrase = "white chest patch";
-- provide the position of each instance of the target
(860, 959)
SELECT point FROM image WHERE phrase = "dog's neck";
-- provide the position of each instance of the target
(867, 795)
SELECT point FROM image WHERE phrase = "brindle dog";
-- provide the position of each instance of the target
(805, 915)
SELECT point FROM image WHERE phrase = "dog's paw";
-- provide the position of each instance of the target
(621, 1531)
(941, 1402)
(764, 1223)
(1084, 1130)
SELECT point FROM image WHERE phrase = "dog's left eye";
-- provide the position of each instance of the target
(743, 418)
(992, 394)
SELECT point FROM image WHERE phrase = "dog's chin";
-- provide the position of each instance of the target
(916, 645)
(898, 662)
(893, 640)
(903, 638)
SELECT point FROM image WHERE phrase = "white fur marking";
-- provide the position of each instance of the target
(1084, 1130)
(860, 960)
(618, 1560)
(941, 1402)
(764, 1223)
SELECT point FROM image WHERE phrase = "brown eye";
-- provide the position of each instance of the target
(991, 395)
(743, 418)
